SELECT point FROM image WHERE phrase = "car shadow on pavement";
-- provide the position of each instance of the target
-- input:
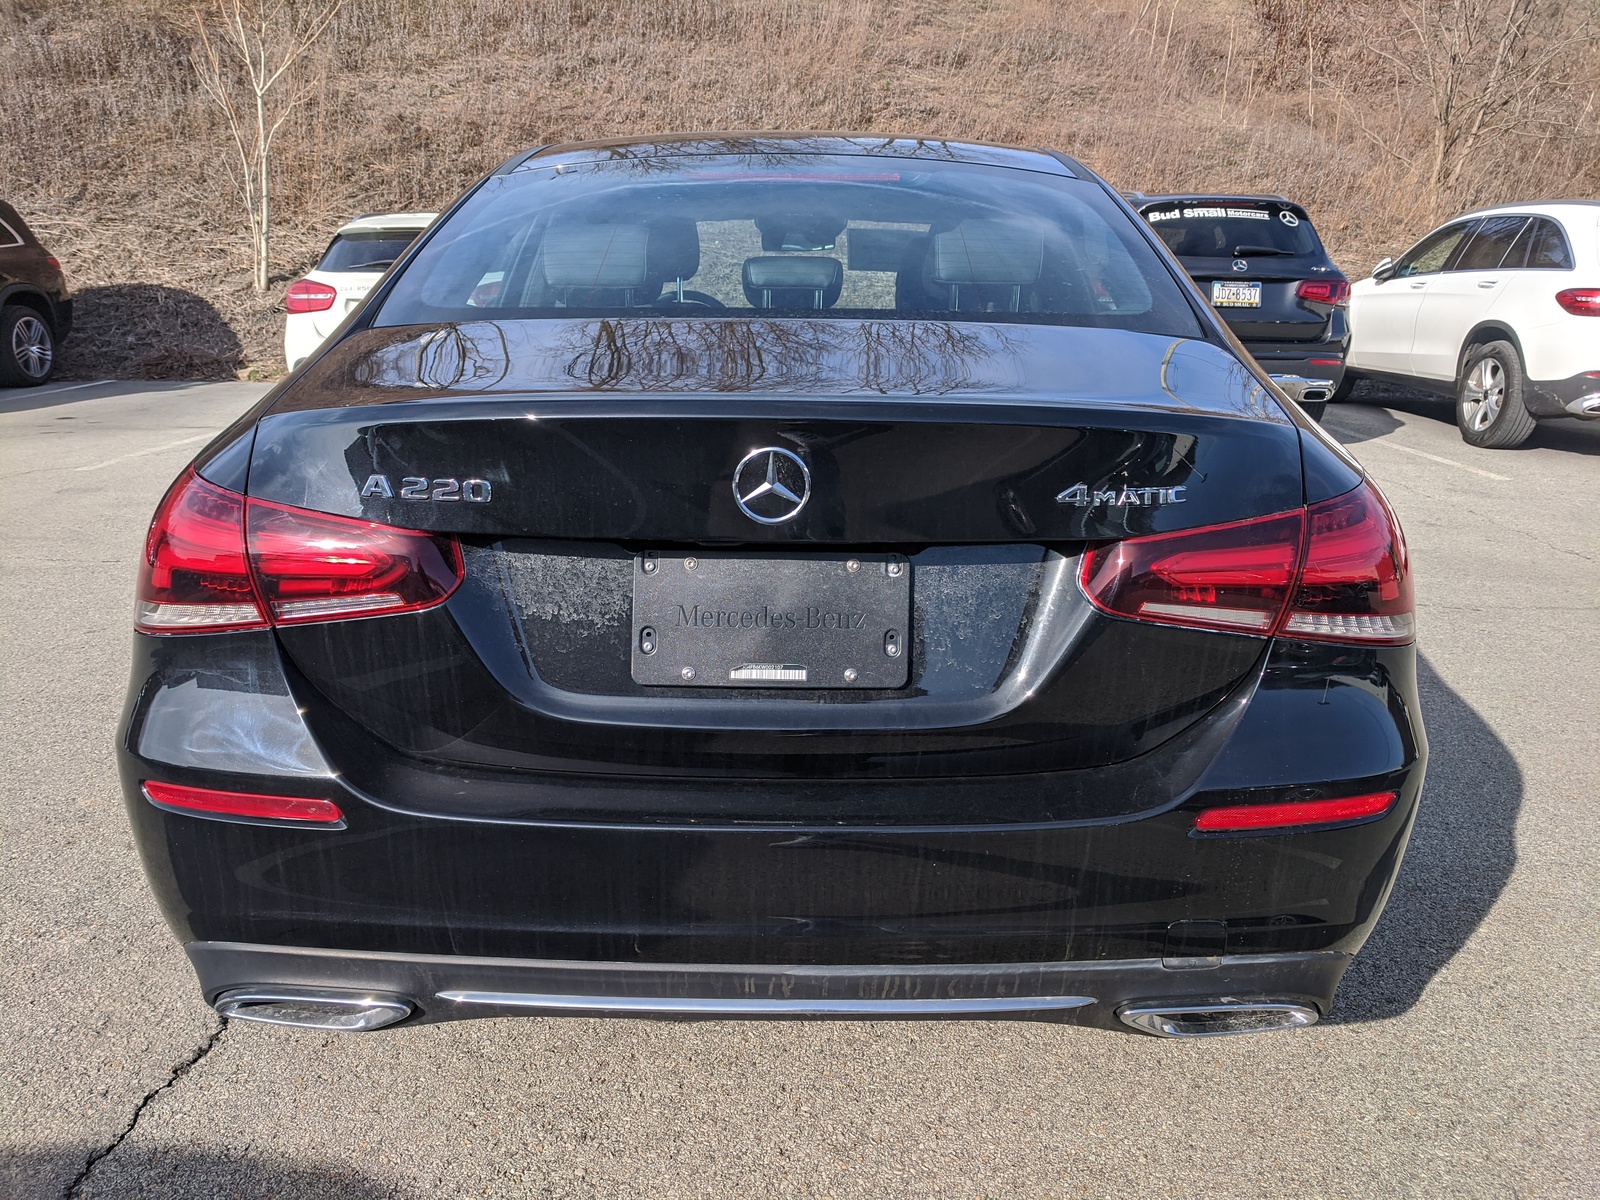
(1462, 853)
(1370, 399)
(177, 1173)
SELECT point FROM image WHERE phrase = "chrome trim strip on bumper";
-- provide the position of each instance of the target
(760, 1006)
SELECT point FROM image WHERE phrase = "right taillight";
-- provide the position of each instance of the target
(307, 295)
(1335, 571)
(1324, 291)
(1355, 581)
(1580, 302)
(216, 561)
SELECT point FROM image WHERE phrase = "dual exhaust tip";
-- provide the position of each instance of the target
(351, 1012)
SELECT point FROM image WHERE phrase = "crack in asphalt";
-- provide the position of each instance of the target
(179, 1070)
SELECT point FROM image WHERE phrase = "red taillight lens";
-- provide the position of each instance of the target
(1580, 302)
(1355, 585)
(216, 561)
(243, 804)
(1324, 291)
(55, 263)
(307, 295)
(1336, 571)
(1261, 817)
(1235, 577)
(194, 578)
(314, 567)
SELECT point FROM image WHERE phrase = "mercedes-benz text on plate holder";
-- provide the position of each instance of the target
(713, 619)
(776, 576)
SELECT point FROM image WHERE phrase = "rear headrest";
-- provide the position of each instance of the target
(595, 256)
(1004, 252)
(792, 281)
(674, 249)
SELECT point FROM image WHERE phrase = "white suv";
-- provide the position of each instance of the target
(355, 260)
(1499, 309)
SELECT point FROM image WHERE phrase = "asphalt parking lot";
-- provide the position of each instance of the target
(1461, 1060)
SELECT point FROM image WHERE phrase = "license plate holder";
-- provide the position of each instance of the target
(812, 620)
(1232, 293)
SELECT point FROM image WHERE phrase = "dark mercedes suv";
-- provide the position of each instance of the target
(1262, 266)
(763, 575)
(35, 307)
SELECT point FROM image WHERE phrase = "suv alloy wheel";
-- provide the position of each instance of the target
(1490, 411)
(27, 347)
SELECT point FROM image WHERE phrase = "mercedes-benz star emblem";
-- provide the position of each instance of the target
(771, 485)
(1240, 264)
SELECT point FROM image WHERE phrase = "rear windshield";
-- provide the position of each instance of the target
(796, 235)
(367, 250)
(1233, 229)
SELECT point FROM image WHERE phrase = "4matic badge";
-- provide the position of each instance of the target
(1127, 497)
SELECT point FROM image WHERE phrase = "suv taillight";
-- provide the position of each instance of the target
(216, 561)
(307, 295)
(1336, 571)
(1324, 291)
(1580, 302)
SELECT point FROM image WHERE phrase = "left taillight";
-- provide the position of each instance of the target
(307, 295)
(216, 561)
(1337, 571)
(195, 577)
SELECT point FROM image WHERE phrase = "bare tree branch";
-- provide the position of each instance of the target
(247, 49)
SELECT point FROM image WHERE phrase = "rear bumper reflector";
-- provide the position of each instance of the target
(1252, 818)
(244, 805)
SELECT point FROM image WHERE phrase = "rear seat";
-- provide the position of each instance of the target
(596, 266)
(793, 281)
(986, 264)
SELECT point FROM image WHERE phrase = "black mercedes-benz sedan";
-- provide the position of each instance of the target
(768, 575)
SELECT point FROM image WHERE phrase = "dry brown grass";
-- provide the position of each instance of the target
(108, 147)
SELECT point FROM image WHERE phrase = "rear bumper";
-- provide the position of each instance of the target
(1321, 363)
(451, 987)
(818, 897)
(1578, 396)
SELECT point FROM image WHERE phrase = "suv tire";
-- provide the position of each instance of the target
(1489, 407)
(27, 347)
(1314, 408)
(1342, 392)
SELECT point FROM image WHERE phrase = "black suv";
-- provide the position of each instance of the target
(1262, 266)
(35, 309)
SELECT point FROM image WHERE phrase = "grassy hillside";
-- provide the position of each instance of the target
(113, 153)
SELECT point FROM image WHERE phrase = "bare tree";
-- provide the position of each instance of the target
(1489, 71)
(248, 63)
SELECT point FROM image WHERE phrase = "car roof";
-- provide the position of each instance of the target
(373, 222)
(777, 144)
(1545, 208)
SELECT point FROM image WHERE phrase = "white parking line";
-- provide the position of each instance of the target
(1449, 462)
(111, 462)
(71, 387)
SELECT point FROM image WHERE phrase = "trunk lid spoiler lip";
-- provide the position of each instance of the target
(841, 360)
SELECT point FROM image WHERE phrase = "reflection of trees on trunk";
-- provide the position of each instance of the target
(474, 357)
(915, 357)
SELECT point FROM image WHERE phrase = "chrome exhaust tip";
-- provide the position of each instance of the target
(1585, 406)
(313, 1008)
(1314, 394)
(1216, 1018)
